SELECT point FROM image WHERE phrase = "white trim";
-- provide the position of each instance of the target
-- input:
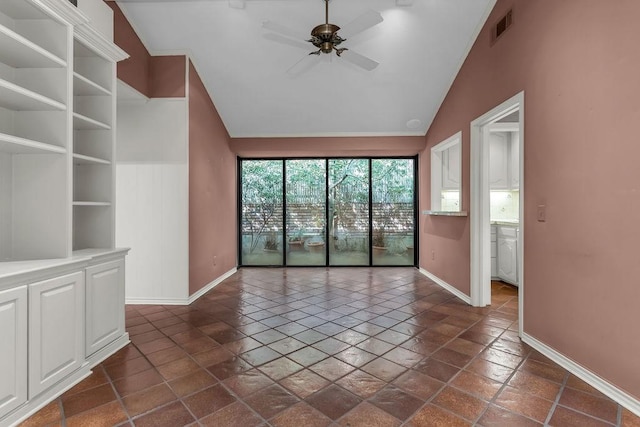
(446, 286)
(43, 399)
(420, 133)
(182, 301)
(212, 285)
(605, 387)
(480, 227)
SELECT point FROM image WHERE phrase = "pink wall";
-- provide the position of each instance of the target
(578, 62)
(134, 70)
(320, 147)
(153, 76)
(212, 190)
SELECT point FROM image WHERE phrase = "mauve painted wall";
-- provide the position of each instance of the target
(578, 62)
(212, 190)
(321, 147)
(153, 76)
(134, 70)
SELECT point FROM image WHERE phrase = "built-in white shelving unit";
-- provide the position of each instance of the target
(61, 277)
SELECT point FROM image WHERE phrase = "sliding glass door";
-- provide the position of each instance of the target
(306, 212)
(349, 212)
(327, 212)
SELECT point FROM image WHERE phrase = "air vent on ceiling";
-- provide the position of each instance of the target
(502, 26)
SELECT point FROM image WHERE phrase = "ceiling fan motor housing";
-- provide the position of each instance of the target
(324, 37)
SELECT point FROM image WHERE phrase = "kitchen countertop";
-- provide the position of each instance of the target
(511, 222)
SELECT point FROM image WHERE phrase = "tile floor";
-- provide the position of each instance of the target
(323, 347)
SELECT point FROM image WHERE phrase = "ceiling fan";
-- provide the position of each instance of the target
(325, 39)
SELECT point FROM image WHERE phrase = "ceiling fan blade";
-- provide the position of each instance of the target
(359, 60)
(303, 65)
(283, 29)
(286, 40)
(360, 24)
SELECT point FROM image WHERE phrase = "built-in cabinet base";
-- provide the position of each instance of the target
(59, 319)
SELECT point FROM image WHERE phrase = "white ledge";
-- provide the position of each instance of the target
(445, 213)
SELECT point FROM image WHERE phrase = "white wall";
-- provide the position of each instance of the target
(152, 199)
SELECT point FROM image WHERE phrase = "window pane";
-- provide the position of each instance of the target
(306, 211)
(349, 212)
(262, 212)
(392, 208)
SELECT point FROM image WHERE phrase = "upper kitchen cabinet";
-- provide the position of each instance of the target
(446, 175)
(504, 173)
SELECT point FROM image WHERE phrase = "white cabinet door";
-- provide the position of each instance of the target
(105, 304)
(499, 160)
(514, 161)
(494, 252)
(13, 348)
(507, 255)
(451, 159)
(56, 330)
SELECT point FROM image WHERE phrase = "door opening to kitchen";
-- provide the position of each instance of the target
(497, 142)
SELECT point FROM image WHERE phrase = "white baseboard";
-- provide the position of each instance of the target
(211, 285)
(181, 301)
(446, 286)
(606, 388)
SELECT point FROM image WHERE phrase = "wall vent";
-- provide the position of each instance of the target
(502, 26)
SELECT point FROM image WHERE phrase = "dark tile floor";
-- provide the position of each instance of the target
(320, 347)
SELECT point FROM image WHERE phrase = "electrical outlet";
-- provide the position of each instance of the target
(215, 260)
(542, 213)
(433, 255)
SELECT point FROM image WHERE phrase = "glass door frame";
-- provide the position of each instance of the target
(416, 224)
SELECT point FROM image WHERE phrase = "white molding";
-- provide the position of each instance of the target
(43, 399)
(480, 227)
(156, 301)
(602, 385)
(66, 11)
(328, 134)
(182, 301)
(446, 286)
(97, 42)
(212, 285)
(108, 350)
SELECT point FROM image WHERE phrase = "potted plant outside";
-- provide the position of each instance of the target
(271, 243)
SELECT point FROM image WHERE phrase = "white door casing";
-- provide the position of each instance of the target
(480, 209)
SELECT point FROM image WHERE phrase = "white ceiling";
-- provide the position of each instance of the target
(420, 49)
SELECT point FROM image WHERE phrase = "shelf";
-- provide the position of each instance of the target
(81, 122)
(445, 213)
(17, 98)
(102, 204)
(18, 52)
(17, 9)
(81, 159)
(15, 145)
(83, 86)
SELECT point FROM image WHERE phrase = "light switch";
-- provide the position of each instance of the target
(542, 213)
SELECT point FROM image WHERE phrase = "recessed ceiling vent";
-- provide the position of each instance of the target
(502, 26)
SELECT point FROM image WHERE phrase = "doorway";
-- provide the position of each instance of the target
(481, 177)
(327, 212)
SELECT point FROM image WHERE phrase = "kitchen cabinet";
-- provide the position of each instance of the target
(504, 160)
(451, 167)
(499, 160)
(13, 357)
(56, 330)
(507, 254)
(494, 253)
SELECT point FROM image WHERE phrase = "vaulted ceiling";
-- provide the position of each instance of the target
(419, 46)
